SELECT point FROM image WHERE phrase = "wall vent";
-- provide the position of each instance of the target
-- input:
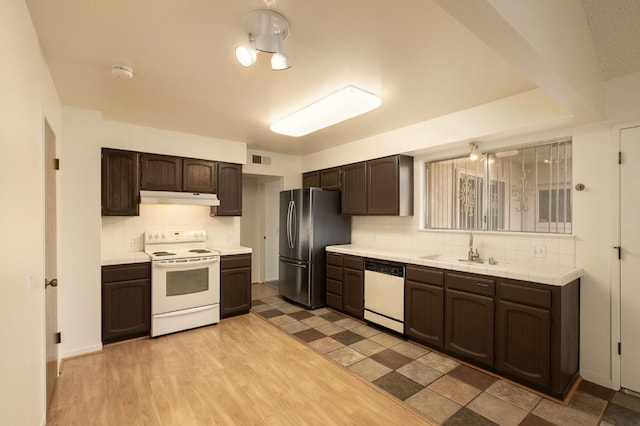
(260, 159)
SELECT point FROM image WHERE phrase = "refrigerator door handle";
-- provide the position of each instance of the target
(289, 212)
(294, 225)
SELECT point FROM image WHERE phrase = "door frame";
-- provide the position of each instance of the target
(615, 264)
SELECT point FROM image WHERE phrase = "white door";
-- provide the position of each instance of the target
(630, 259)
(50, 267)
(271, 194)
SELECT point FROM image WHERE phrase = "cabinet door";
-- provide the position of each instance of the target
(424, 313)
(382, 186)
(330, 179)
(523, 336)
(161, 173)
(229, 190)
(469, 322)
(198, 176)
(311, 179)
(354, 189)
(235, 292)
(120, 183)
(126, 309)
(353, 292)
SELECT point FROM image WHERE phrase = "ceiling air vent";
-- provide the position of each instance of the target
(260, 159)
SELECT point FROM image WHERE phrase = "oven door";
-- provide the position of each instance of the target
(184, 283)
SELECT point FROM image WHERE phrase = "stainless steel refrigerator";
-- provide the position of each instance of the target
(310, 220)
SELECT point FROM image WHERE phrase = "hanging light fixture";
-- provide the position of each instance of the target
(474, 154)
(267, 31)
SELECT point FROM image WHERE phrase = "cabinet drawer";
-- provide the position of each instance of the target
(334, 287)
(424, 275)
(521, 293)
(334, 259)
(334, 272)
(334, 301)
(128, 272)
(353, 262)
(235, 261)
(470, 284)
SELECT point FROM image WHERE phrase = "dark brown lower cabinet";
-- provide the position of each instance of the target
(538, 334)
(235, 285)
(353, 285)
(424, 305)
(126, 301)
(469, 317)
(523, 337)
(334, 281)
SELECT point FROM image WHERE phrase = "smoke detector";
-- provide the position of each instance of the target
(122, 72)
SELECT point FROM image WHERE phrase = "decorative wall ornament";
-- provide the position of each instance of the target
(523, 191)
(467, 194)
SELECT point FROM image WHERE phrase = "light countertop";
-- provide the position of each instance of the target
(546, 274)
(141, 257)
(230, 250)
(124, 258)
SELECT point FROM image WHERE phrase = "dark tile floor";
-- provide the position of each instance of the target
(433, 384)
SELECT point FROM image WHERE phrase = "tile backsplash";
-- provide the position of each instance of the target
(402, 234)
(126, 234)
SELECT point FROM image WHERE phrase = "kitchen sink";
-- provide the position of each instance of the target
(452, 259)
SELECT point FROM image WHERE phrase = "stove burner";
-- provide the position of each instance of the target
(199, 251)
(163, 253)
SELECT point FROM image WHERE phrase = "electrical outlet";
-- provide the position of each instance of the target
(538, 250)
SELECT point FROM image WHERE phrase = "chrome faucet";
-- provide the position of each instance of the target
(472, 256)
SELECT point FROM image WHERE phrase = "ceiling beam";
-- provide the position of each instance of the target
(549, 41)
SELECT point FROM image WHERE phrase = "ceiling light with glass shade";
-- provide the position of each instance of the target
(267, 31)
(474, 154)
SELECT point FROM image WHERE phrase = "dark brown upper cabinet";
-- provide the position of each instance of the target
(198, 176)
(120, 183)
(311, 179)
(383, 186)
(330, 179)
(161, 173)
(390, 186)
(229, 190)
(354, 189)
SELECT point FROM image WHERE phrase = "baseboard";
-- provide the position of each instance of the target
(81, 351)
(598, 379)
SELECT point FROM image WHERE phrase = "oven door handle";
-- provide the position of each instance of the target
(174, 264)
(184, 311)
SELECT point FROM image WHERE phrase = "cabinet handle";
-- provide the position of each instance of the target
(482, 284)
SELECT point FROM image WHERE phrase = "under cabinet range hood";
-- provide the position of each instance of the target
(168, 197)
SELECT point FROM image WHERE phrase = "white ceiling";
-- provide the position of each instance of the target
(421, 61)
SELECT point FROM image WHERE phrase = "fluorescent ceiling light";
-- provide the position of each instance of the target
(340, 106)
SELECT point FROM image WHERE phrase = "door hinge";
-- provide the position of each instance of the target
(619, 251)
(619, 348)
(56, 163)
(58, 337)
(619, 157)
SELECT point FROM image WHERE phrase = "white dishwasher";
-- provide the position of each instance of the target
(384, 293)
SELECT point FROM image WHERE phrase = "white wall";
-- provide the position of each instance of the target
(287, 166)
(27, 94)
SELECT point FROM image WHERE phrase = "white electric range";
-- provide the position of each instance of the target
(185, 281)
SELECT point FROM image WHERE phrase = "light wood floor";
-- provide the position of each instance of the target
(241, 371)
